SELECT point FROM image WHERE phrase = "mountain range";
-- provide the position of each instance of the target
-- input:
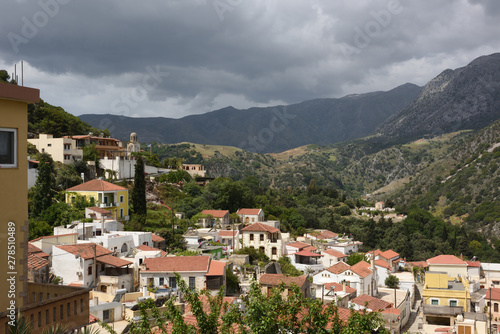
(460, 99)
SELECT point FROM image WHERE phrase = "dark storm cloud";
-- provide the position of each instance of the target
(259, 51)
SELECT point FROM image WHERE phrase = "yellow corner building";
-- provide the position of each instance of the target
(14, 102)
(105, 194)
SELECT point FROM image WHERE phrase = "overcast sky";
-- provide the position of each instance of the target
(174, 58)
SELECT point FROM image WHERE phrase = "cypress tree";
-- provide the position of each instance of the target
(43, 194)
(139, 191)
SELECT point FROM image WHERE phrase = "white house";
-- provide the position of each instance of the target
(63, 149)
(306, 261)
(121, 167)
(332, 256)
(335, 293)
(76, 266)
(346, 247)
(91, 229)
(297, 246)
(199, 272)
(220, 217)
(322, 235)
(383, 270)
(250, 216)
(358, 276)
(230, 238)
(45, 243)
(264, 238)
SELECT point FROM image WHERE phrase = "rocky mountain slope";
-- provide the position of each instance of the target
(271, 129)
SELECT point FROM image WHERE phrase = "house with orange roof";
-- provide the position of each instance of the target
(332, 256)
(46, 243)
(91, 265)
(106, 195)
(107, 147)
(306, 261)
(347, 247)
(250, 216)
(297, 246)
(199, 272)
(213, 218)
(450, 264)
(334, 293)
(389, 256)
(269, 282)
(265, 238)
(38, 265)
(359, 276)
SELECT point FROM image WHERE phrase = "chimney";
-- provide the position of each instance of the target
(461, 257)
(343, 286)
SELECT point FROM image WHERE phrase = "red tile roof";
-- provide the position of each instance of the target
(338, 287)
(382, 263)
(421, 264)
(277, 279)
(35, 262)
(375, 252)
(32, 249)
(361, 268)
(374, 304)
(324, 234)
(389, 254)
(259, 227)
(473, 264)
(310, 248)
(113, 261)
(335, 253)
(156, 238)
(96, 185)
(308, 253)
(338, 268)
(177, 264)
(446, 259)
(392, 310)
(495, 293)
(228, 233)
(298, 244)
(217, 268)
(100, 210)
(215, 213)
(86, 251)
(75, 284)
(248, 211)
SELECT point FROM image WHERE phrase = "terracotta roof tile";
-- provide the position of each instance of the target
(495, 293)
(86, 251)
(228, 233)
(361, 268)
(310, 248)
(374, 304)
(338, 287)
(113, 261)
(421, 264)
(277, 279)
(215, 213)
(298, 244)
(473, 263)
(217, 268)
(308, 253)
(33, 249)
(96, 185)
(248, 211)
(335, 253)
(145, 248)
(382, 263)
(35, 262)
(156, 238)
(389, 254)
(339, 268)
(446, 259)
(177, 264)
(259, 227)
(375, 252)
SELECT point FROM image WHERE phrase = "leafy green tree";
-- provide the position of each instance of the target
(43, 190)
(4, 76)
(139, 191)
(288, 268)
(392, 282)
(354, 258)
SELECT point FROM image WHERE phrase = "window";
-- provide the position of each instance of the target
(251, 236)
(49, 145)
(105, 315)
(31, 320)
(274, 251)
(122, 198)
(48, 295)
(172, 283)
(495, 307)
(61, 311)
(8, 148)
(261, 236)
(33, 296)
(40, 319)
(89, 270)
(434, 301)
(161, 281)
(453, 302)
(69, 310)
(54, 314)
(124, 248)
(192, 283)
(46, 317)
(74, 307)
(41, 296)
(121, 213)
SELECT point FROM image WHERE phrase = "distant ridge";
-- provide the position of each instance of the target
(270, 129)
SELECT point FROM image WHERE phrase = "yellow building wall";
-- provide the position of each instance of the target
(451, 270)
(95, 194)
(436, 280)
(14, 210)
(436, 287)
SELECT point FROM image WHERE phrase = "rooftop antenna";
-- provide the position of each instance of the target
(15, 73)
(22, 73)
